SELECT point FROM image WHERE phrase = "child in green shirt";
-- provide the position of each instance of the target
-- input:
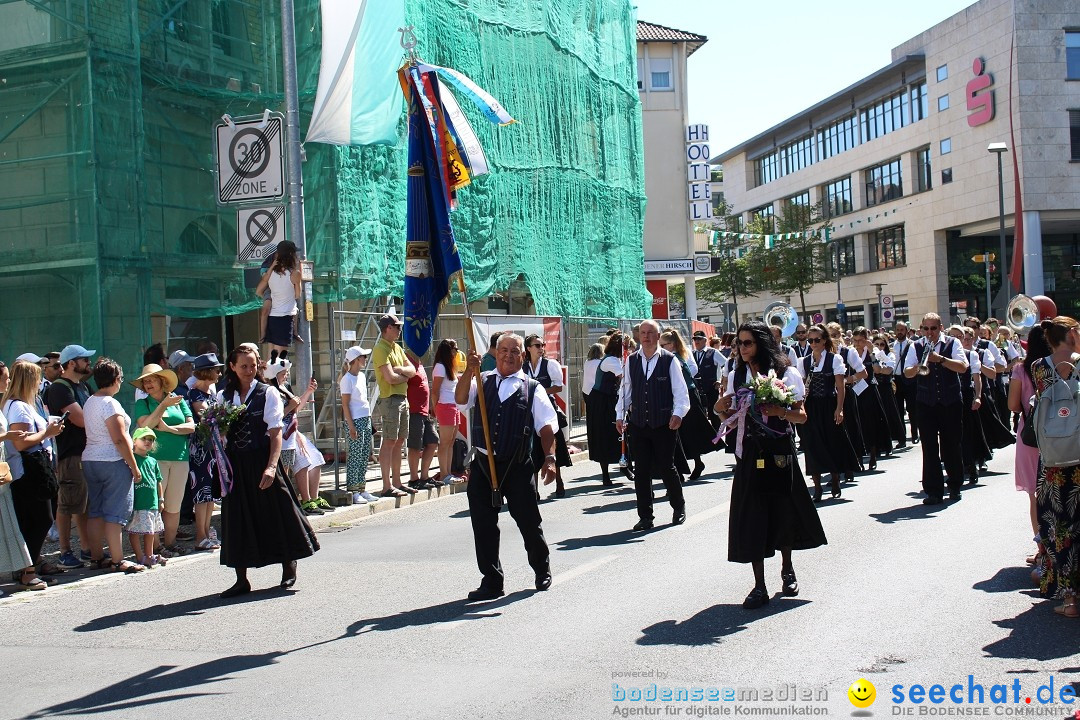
(145, 521)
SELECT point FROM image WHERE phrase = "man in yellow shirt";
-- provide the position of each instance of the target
(391, 412)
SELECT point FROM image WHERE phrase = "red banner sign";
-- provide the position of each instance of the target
(658, 288)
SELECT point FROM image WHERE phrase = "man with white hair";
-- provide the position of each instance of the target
(653, 399)
(518, 410)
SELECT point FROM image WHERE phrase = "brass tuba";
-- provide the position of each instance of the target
(1022, 313)
(783, 316)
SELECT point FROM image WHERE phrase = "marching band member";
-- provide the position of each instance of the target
(874, 425)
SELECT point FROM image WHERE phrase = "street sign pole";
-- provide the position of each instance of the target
(295, 183)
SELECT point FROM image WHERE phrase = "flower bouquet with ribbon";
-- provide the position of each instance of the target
(212, 430)
(749, 400)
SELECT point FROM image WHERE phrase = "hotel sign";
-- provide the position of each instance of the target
(699, 191)
(980, 104)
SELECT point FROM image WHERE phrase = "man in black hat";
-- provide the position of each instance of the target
(518, 411)
(708, 362)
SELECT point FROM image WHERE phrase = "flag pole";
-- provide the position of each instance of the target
(481, 400)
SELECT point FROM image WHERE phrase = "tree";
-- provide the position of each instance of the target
(799, 258)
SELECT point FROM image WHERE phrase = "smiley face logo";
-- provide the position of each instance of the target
(862, 693)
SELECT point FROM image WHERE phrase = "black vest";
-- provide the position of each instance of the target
(967, 381)
(511, 422)
(248, 432)
(801, 351)
(942, 385)
(606, 383)
(542, 375)
(707, 368)
(651, 400)
(822, 383)
(868, 364)
(753, 429)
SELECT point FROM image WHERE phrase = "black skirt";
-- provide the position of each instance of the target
(825, 444)
(997, 435)
(892, 410)
(872, 422)
(974, 449)
(851, 422)
(604, 444)
(279, 330)
(262, 527)
(771, 507)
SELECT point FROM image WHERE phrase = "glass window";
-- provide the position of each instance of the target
(922, 162)
(660, 74)
(942, 72)
(838, 137)
(893, 112)
(887, 248)
(1074, 133)
(920, 107)
(846, 249)
(764, 212)
(884, 183)
(946, 176)
(837, 196)
(943, 103)
(946, 146)
(1072, 55)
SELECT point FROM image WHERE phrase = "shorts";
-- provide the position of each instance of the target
(174, 476)
(71, 499)
(110, 490)
(447, 414)
(391, 414)
(421, 432)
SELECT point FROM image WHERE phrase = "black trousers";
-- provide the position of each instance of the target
(519, 489)
(654, 452)
(941, 428)
(33, 515)
(709, 396)
(905, 400)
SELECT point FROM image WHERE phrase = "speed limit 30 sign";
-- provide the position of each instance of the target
(249, 162)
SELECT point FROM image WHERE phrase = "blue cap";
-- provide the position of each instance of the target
(75, 351)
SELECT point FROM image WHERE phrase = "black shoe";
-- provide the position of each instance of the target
(679, 517)
(834, 487)
(954, 495)
(288, 575)
(543, 580)
(643, 525)
(486, 593)
(901, 445)
(914, 439)
(240, 588)
(933, 500)
(791, 584)
(756, 598)
(560, 491)
(817, 494)
(608, 483)
(699, 467)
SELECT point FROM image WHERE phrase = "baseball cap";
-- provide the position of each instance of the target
(72, 352)
(699, 335)
(143, 432)
(29, 357)
(389, 319)
(178, 358)
(354, 352)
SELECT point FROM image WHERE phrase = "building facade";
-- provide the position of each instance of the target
(900, 166)
(662, 55)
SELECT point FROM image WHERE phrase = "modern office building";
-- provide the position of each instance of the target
(900, 164)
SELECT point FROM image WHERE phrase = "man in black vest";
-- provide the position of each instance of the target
(905, 386)
(940, 415)
(709, 360)
(518, 410)
(653, 399)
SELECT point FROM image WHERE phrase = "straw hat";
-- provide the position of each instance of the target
(168, 377)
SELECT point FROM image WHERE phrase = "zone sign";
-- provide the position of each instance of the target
(249, 160)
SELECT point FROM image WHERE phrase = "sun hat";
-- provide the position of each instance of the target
(168, 377)
(72, 352)
(354, 352)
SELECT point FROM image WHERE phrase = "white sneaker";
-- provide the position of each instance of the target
(368, 497)
(358, 499)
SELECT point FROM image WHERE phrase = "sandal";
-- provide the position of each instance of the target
(34, 583)
(392, 493)
(1068, 607)
(126, 567)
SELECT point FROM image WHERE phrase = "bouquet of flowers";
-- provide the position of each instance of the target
(771, 390)
(217, 418)
(749, 399)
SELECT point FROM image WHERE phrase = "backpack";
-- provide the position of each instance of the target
(1057, 420)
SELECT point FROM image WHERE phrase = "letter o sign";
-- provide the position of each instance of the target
(697, 152)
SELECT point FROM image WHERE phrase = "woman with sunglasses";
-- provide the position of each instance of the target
(770, 507)
(872, 421)
(549, 374)
(826, 445)
(884, 367)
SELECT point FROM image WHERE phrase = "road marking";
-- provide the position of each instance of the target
(696, 518)
(579, 570)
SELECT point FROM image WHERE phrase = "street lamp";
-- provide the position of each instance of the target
(998, 148)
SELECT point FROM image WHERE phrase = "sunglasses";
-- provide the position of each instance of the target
(539, 345)
(746, 343)
(815, 341)
(928, 328)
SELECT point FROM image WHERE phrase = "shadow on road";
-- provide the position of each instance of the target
(1036, 634)
(911, 512)
(434, 614)
(621, 537)
(712, 624)
(1010, 579)
(190, 607)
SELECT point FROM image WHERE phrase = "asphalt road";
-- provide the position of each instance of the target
(379, 627)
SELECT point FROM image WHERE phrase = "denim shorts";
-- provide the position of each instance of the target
(110, 490)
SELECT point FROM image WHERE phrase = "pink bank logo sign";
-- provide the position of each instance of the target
(979, 103)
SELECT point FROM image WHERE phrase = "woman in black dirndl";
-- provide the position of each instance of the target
(604, 444)
(549, 374)
(261, 520)
(997, 434)
(770, 507)
(826, 445)
(696, 432)
(974, 448)
(884, 368)
(875, 427)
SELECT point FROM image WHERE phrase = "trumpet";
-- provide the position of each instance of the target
(924, 363)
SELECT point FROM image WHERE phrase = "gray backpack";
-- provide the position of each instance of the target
(1057, 419)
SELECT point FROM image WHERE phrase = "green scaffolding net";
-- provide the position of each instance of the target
(109, 214)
